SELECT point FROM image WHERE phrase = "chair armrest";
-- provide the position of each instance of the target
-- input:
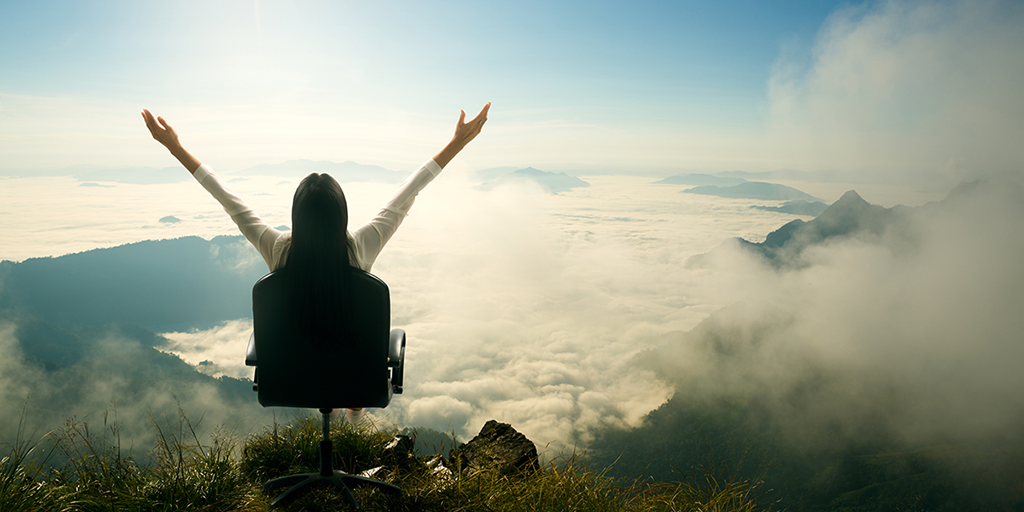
(396, 348)
(396, 358)
(250, 351)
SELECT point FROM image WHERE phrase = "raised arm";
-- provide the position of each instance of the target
(164, 134)
(370, 239)
(464, 132)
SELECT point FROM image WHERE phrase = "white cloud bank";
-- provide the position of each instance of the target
(914, 333)
(905, 88)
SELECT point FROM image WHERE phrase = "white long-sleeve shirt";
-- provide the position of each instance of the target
(365, 243)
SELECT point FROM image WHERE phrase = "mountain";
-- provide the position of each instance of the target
(857, 176)
(792, 174)
(699, 179)
(552, 183)
(776, 435)
(851, 213)
(78, 342)
(739, 439)
(810, 208)
(849, 216)
(344, 172)
(138, 175)
(116, 371)
(165, 285)
(752, 190)
(494, 173)
(837, 381)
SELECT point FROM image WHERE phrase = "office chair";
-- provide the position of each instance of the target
(291, 372)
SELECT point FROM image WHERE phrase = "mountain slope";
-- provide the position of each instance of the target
(164, 285)
(849, 217)
(874, 365)
(752, 190)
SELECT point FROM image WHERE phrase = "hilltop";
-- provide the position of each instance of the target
(226, 475)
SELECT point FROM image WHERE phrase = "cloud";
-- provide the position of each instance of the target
(916, 336)
(108, 386)
(906, 88)
(528, 309)
(440, 410)
(222, 347)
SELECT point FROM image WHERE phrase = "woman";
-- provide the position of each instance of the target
(319, 250)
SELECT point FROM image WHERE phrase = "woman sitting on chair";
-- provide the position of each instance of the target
(319, 249)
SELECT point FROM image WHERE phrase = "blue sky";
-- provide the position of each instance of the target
(601, 86)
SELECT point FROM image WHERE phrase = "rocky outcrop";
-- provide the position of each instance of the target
(399, 452)
(499, 449)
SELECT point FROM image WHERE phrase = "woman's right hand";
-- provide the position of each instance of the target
(164, 134)
(160, 130)
(464, 133)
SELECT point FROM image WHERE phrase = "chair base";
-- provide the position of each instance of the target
(340, 479)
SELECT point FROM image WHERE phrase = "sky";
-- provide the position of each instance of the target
(612, 87)
(902, 99)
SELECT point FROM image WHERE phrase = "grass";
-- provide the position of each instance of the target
(183, 473)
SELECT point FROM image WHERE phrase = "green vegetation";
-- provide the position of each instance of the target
(828, 473)
(77, 468)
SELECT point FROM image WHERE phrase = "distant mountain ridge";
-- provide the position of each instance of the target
(735, 187)
(88, 371)
(135, 175)
(851, 216)
(347, 171)
(152, 283)
(752, 190)
(700, 179)
(552, 183)
(798, 207)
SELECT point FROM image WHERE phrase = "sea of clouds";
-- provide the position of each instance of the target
(520, 306)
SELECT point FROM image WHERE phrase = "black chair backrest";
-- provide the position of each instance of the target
(339, 372)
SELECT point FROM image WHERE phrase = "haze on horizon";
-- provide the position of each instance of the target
(886, 89)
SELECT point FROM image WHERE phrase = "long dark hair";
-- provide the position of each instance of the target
(318, 266)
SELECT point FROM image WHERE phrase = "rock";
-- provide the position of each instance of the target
(498, 448)
(400, 451)
(443, 477)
